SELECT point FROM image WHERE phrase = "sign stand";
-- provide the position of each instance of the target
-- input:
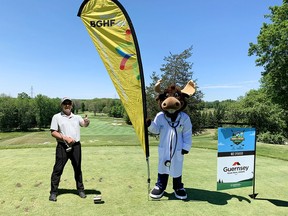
(253, 195)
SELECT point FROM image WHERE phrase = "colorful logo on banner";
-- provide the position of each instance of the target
(236, 152)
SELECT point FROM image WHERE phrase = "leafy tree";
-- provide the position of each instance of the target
(83, 107)
(152, 105)
(8, 113)
(272, 52)
(117, 110)
(93, 107)
(45, 109)
(25, 112)
(256, 110)
(76, 105)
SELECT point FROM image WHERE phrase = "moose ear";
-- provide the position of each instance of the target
(189, 89)
(157, 87)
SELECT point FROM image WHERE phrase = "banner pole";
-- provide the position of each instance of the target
(148, 179)
(253, 195)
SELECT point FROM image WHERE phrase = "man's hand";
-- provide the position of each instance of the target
(69, 140)
(86, 121)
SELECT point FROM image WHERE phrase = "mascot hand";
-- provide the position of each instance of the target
(148, 122)
(184, 152)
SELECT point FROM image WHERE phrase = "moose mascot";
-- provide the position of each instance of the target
(175, 130)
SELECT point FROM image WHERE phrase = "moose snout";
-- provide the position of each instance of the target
(165, 105)
(171, 103)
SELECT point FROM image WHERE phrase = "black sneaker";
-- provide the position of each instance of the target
(82, 194)
(53, 197)
(156, 193)
(180, 194)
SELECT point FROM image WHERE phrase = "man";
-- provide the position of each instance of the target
(65, 127)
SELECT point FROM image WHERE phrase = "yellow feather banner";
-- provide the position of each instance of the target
(113, 35)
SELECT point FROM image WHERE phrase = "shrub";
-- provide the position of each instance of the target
(268, 137)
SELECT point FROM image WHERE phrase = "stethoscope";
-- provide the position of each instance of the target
(174, 125)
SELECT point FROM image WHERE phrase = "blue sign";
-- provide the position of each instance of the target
(236, 153)
(236, 139)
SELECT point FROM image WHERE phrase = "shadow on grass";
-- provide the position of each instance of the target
(87, 192)
(276, 202)
(74, 191)
(213, 197)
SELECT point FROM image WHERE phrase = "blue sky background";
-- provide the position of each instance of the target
(45, 49)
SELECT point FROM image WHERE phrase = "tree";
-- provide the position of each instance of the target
(272, 52)
(26, 112)
(45, 109)
(8, 113)
(256, 110)
(177, 70)
(152, 106)
(82, 107)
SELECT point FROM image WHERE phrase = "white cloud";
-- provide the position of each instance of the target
(221, 86)
(230, 85)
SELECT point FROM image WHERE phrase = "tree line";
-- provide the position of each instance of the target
(25, 113)
(252, 110)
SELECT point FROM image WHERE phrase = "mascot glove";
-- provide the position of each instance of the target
(148, 122)
(184, 152)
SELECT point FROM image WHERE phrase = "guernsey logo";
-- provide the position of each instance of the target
(236, 168)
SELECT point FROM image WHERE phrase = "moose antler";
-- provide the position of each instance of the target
(157, 86)
(189, 89)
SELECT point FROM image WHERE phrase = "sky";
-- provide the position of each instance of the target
(45, 48)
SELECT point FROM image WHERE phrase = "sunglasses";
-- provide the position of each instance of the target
(67, 103)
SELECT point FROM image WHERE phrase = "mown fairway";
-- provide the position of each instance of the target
(114, 165)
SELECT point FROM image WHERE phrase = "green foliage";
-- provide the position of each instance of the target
(26, 113)
(117, 110)
(177, 69)
(268, 137)
(83, 107)
(8, 114)
(272, 52)
(257, 111)
(152, 105)
(213, 117)
(254, 109)
(45, 109)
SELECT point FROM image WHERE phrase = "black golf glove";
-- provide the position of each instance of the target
(184, 152)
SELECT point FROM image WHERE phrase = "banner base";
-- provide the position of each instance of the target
(253, 196)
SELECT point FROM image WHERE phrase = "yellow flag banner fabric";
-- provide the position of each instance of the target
(113, 35)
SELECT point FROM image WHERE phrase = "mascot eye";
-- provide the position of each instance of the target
(167, 95)
(176, 94)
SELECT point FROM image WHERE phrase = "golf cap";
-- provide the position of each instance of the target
(66, 99)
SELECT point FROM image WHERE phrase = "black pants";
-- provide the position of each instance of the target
(61, 159)
(162, 181)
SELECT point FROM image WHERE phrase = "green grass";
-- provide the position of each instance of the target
(114, 165)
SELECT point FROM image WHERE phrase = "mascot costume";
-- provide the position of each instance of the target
(175, 130)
